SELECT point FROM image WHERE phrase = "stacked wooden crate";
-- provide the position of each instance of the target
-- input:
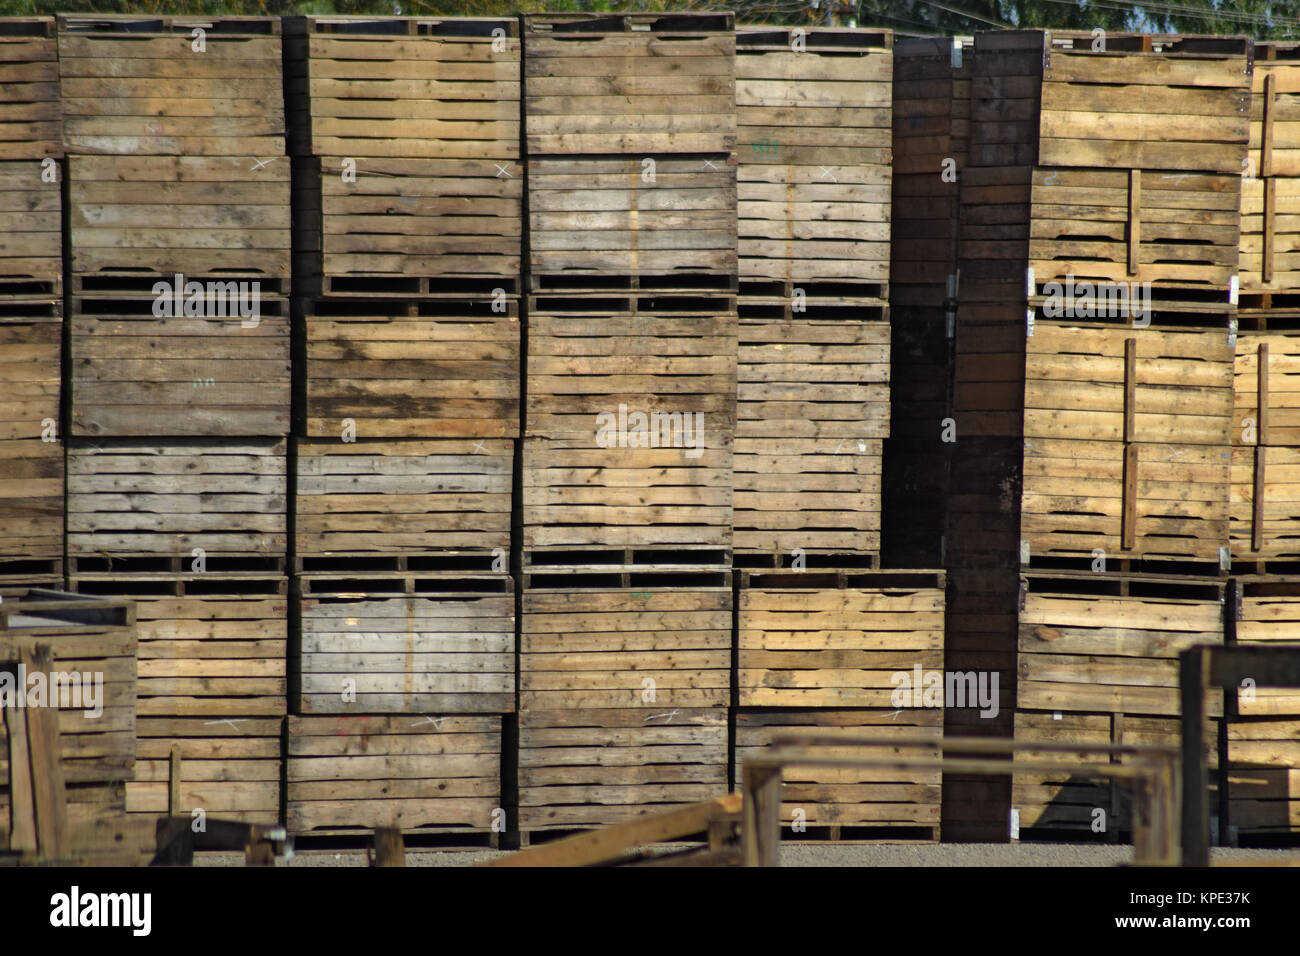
(31, 305)
(89, 645)
(1098, 663)
(931, 135)
(631, 394)
(408, 198)
(846, 660)
(178, 186)
(813, 110)
(1098, 293)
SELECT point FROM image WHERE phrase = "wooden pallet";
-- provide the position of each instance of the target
(1126, 440)
(584, 366)
(211, 644)
(812, 407)
(372, 224)
(835, 647)
(135, 373)
(813, 115)
(30, 118)
(1111, 653)
(94, 639)
(437, 368)
(31, 228)
(613, 647)
(577, 493)
(227, 100)
(604, 766)
(380, 497)
(659, 215)
(435, 774)
(1270, 189)
(223, 217)
(447, 648)
(1059, 802)
(880, 799)
(133, 497)
(420, 89)
(228, 767)
(628, 83)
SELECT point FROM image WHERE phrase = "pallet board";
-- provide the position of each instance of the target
(218, 217)
(381, 497)
(813, 131)
(221, 94)
(414, 773)
(92, 644)
(211, 644)
(132, 497)
(615, 647)
(636, 84)
(138, 371)
(419, 88)
(1111, 653)
(31, 227)
(835, 647)
(30, 116)
(880, 798)
(230, 768)
(435, 368)
(812, 407)
(596, 767)
(659, 216)
(447, 648)
(363, 223)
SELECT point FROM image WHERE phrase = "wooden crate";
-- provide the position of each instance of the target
(30, 117)
(211, 643)
(629, 83)
(446, 646)
(813, 116)
(420, 88)
(92, 642)
(414, 225)
(436, 368)
(383, 497)
(131, 497)
(31, 227)
(1086, 645)
(585, 365)
(1264, 729)
(835, 647)
(226, 99)
(31, 349)
(600, 767)
(1270, 187)
(428, 774)
(654, 221)
(228, 767)
(882, 799)
(31, 506)
(135, 372)
(590, 647)
(1126, 441)
(1062, 802)
(579, 494)
(206, 217)
(812, 407)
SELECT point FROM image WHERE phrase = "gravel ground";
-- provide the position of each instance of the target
(821, 854)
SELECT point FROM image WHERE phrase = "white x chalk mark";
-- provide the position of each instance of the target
(668, 717)
(263, 162)
(894, 715)
(503, 171)
(479, 446)
(826, 173)
(436, 721)
(227, 720)
(709, 163)
(1177, 177)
